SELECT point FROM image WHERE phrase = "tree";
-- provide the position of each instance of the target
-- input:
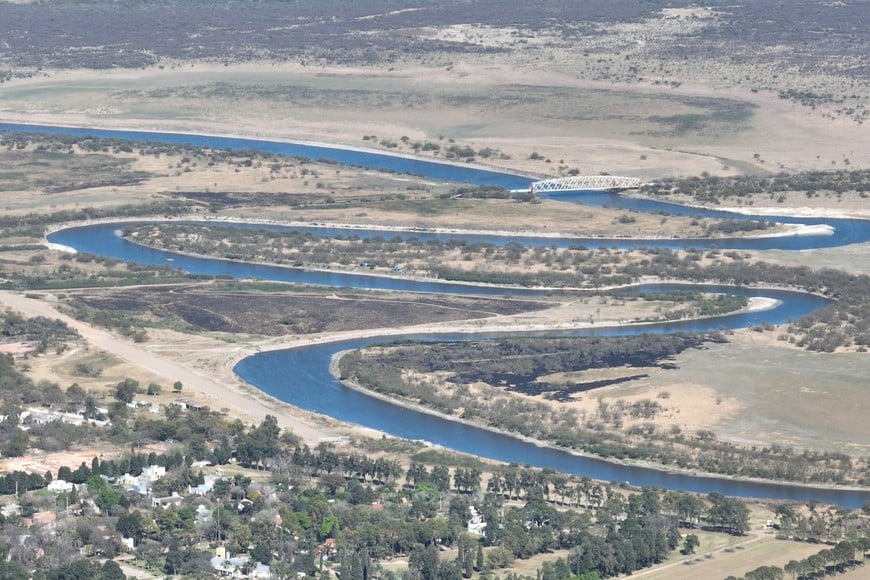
(844, 552)
(153, 389)
(729, 513)
(133, 525)
(13, 571)
(111, 571)
(126, 390)
(424, 560)
(64, 473)
(78, 570)
(174, 559)
(765, 573)
(690, 544)
(241, 539)
(786, 516)
(17, 444)
(177, 386)
(107, 498)
(261, 553)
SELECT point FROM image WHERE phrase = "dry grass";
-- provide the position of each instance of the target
(765, 552)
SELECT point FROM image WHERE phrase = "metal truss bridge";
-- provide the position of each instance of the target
(587, 182)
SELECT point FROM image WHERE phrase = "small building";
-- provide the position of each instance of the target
(11, 509)
(153, 472)
(190, 404)
(44, 519)
(60, 486)
(327, 550)
(475, 524)
(172, 500)
(201, 489)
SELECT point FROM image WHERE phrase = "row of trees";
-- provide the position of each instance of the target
(716, 189)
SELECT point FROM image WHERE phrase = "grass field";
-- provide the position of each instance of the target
(724, 562)
(826, 394)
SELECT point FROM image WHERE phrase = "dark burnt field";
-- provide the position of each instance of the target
(522, 365)
(218, 308)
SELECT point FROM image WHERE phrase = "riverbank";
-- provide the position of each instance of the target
(405, 404)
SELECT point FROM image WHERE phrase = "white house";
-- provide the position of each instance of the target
(476, 525)
(153, 472)
(60, 486)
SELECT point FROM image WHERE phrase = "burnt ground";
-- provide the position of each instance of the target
(521, 365)
(232, 308)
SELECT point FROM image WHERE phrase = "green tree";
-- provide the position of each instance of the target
(107, 498)
(424, 560)
(729, 513)
(126, 390)
(765, 573)
(241, 539)
(13, 571)
(17, 444)
(690, 544)
(261, 553)
(78, 570)
(111, 571)
(133, 525)
(174, 560)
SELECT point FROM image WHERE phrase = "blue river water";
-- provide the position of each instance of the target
(310, 385)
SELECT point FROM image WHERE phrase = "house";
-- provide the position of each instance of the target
(11, 509)
(201, 489)
(229, 567)
(60, 486)
(190, 404)
(173, 500)
(327, 550)
(475, 524)
(203, 515)
(44, 519)
(153, 472)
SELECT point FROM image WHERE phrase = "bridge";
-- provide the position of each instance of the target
(585, 182)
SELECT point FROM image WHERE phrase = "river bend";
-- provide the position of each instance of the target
(310, 385)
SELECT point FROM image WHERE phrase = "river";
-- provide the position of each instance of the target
(310, 385)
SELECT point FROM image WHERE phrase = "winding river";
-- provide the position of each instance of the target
(310, 385)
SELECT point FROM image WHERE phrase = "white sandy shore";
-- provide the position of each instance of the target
(802, 212)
